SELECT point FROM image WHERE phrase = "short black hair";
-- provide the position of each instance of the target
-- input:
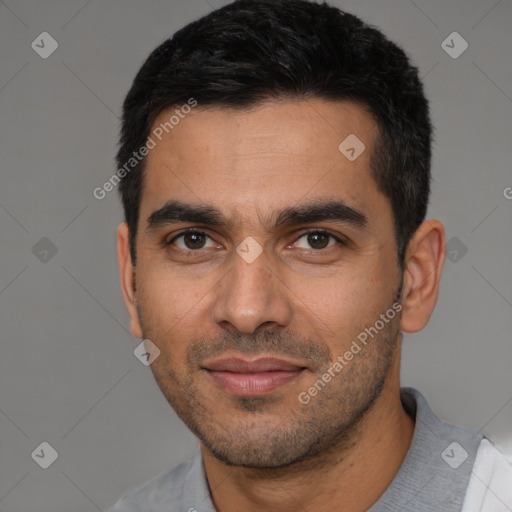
(251, 51)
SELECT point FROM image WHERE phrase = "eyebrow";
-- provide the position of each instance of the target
(175, 211)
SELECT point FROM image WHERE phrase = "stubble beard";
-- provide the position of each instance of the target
(306, 434)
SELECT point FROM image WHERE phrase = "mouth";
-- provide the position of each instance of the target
(243, 377)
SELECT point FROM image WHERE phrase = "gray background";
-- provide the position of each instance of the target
(68, 375)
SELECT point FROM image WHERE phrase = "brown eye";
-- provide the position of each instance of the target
(317, 240)
(190, 240)
(194, 240)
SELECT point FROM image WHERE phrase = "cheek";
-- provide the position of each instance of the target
(169, 306)
(343, 306)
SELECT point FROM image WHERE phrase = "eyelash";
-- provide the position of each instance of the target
(196, 231)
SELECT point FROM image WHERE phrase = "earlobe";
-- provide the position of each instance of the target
(424, 262)
(127, 277)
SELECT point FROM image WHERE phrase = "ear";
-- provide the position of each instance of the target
(424, 262)
(127, 276)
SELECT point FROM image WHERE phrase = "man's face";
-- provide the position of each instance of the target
(242, 335)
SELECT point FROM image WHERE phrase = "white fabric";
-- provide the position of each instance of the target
(490, 484)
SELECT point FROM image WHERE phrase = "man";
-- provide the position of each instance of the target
(275, 169)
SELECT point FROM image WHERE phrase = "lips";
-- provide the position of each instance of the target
(243, 377)
(265, 364)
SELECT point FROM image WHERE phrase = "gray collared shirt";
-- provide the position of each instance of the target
(433, 477)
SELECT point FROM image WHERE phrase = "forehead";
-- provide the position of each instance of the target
(264, 158)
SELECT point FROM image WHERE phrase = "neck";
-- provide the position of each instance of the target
(350, 479)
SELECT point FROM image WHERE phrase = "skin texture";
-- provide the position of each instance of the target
(299, 301)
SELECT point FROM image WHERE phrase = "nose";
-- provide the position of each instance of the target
(251, 295)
